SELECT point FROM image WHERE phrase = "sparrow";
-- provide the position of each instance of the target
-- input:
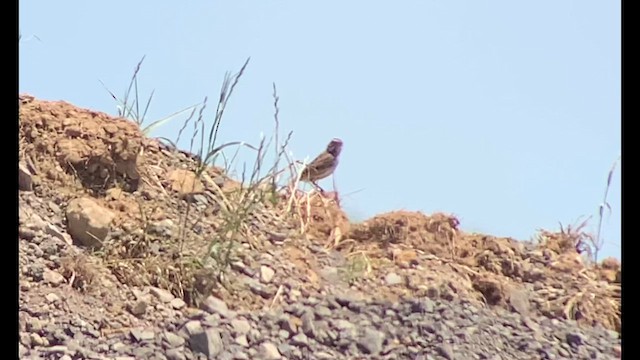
(323, 165)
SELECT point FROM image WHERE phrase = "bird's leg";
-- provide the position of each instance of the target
(318, 187)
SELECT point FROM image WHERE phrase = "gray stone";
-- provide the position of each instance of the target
(322, 311)
(214, 305)
(22, 351)
(88, 223)
(176, 354)
(212, 320)
(240, 356)
(52, 298)
(446, 351)
(142, 352)
(57, 349)
(26, 233)
(138, 308)
(161, 294)
(266, 274)
(288, 324)
(53, 277)
(266, 292)
(574, 339)
(269, 351)
(207, 342)
(25, 339)
(308, 326)
(242, 340)
(25, 178)
(173, 340)
(37, 340)
(58, 234)
(241, 326)
(33, 324)
(424, 305)
(140, 335)
(177, 303)
(342, 324)
(119, 347)
(371, 341)
(300, 340)
(193, 327)
(393, 279)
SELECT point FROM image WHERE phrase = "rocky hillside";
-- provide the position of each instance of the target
(129, 249)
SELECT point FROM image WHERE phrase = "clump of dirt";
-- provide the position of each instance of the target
(560, 283)
(95, 148)
(197, 234)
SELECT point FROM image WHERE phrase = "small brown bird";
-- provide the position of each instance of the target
(324, 164)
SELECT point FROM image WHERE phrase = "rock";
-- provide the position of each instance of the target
(52, 298)
(33, 325)
(88, 223)
(371, 341)
(207, 342)
(140, 335)
(173, 340)
(424, 305)
(177, 303)
(185, 182)
(266, 274)
(163, 228)
(574, 339)
(446, 351)
(26, 233)
(240, 326)
(53, 277)
(342, 324)
(57, 349)
(161, 294)
(137, 308)
(58, 234)
(22, 351)
(193, 327)
(300, 340)
(214, 305)
(269, 351)
(308, 326)
(242, 340)
(176, 354)
(322, 311)
(290, 324)
(330, 274)
(37, 340)
(142, 353)
(25, 178)
(266, 292)
(393, 279)
(119, 347)
(519, 301)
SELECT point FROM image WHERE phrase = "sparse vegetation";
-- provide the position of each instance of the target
(576, 237)
(129, 106)
(256, 203)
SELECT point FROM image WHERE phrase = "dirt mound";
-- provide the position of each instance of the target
(557, 282)
(193, 231)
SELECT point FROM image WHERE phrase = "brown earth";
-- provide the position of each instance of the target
(165, 219)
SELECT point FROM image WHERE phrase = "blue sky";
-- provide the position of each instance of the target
(505, 113)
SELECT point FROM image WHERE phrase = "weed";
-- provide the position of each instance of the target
(129, 108)
(598, 240)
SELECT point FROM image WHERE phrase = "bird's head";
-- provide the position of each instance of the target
(334, 147)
